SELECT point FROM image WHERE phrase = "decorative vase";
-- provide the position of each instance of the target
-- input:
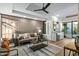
(77, 42)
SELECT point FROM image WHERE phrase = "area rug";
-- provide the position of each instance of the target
(50, 50)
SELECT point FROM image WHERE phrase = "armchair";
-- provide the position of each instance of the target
(3, 51)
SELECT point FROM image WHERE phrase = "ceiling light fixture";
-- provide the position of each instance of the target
(57, 15)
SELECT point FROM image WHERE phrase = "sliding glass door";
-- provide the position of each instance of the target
(75, 25)
(70, 29)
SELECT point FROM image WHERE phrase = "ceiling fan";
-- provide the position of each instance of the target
(44, 8)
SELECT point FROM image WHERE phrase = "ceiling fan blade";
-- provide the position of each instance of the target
(38, 10)
(48, 4)
(46, 11)
(43, 5)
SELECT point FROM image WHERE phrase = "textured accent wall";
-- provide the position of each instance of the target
(78, 23)
(78, 18)
(0, 29)
(27, 26)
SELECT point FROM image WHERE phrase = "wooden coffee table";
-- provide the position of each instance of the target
(71, 47)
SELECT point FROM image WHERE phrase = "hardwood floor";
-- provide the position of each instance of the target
(62, 43)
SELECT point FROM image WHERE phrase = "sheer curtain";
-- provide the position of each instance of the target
(8, 27)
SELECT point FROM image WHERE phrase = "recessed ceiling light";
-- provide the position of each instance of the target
(54, 18)
(57, 15)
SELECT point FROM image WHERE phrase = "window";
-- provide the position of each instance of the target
(8, 28)
(75, 25)
(71, 28)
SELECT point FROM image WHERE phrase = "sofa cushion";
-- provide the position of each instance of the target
(32, 35)
(21, 37)
(24, 40)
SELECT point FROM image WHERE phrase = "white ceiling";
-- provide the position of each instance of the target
(26, 9)
(61, 9)
(54, 8)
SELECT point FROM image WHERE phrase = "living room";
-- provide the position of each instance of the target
(33, 31)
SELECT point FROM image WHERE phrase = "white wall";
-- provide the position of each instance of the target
(49, 30)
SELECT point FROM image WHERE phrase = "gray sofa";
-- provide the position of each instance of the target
(23, 39)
